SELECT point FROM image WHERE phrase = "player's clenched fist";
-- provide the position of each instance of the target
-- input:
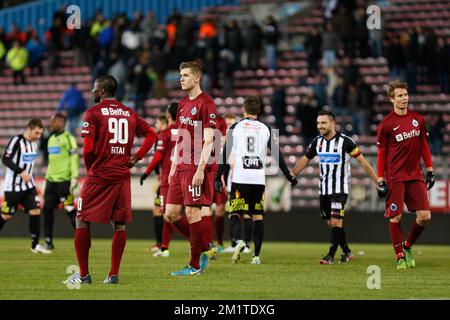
(430, 179)
(382, 189)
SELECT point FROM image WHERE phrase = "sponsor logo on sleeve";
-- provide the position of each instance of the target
(212, 115)
(85, 124)
(105, 111)
(394, 207)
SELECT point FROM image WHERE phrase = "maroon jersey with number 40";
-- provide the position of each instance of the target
(402, 135)
(113, 128)
(192, 117)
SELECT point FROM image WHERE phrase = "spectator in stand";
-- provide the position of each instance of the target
(339, 98)
(253, 44)
(17, 59)
(345, 27)
(278, 102)
(307, 112)
(2, 50)
(81, 40)
(227, 67)
(233, 42)
(149, 25)
(171, 30)
(16, 35)
(73, 105)
(443, 64)
(158, 61)
(376, 40)
(313, 44)
(119, 72)
(395, 55)
(36, 50)
(329, 45)
(430, 52)
(54, 41)
(271, 36)
(436, 131)
(320, 88)
(411, 59)
(361, 33)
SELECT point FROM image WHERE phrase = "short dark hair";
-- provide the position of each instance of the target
(33, 123)
(395, 84)
(107, 83)
(172, 109)
(163, 118)
(61, 116)
(252, 105)
(327, 113)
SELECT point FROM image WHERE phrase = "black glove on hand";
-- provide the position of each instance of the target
(218, 185)
(292, 180)
(143, 177)
(382, 189)
(430, 179)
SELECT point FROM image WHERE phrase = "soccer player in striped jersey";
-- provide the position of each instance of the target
(247, 144)
(334, 150)
(19, 186)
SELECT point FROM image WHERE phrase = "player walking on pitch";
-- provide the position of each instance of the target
(402, 141)
(108, 129)
(334, 150)
(191, 177)
(247, 144)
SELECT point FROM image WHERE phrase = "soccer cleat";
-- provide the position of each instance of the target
(161, 253)
(247, 250)
(155, 248)
(40, 249)
(206, 256)
(236, 257)
(401, 264)
(111, 280)
(326, 260)
(256, 260)
(77, 279)
(409, 257)
(49, 246)
(346, 257)
(186, 271)
(229, 249)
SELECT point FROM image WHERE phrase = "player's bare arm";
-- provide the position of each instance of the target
(173, 167)
(208, 137)
(367, 167)
(300, 165)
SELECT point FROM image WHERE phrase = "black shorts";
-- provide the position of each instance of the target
(333, 206)
(28, 199)
(55, 193)
(246, 199)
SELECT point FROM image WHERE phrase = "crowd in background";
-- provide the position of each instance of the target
(139, 52)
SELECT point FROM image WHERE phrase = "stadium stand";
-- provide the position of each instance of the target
(39, 97)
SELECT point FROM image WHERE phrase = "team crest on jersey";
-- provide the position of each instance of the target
(86, 124)
(415, 123)
(394, 207)
(194, 111)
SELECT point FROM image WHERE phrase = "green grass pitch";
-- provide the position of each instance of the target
(288, 271)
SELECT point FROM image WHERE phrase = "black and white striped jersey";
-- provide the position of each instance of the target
(247, 145)
(20, 155)
(334, 162)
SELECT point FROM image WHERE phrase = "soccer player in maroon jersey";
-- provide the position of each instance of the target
(191, 177)
(219, 198)
(162, 156)
(402, 141)
(108, 129)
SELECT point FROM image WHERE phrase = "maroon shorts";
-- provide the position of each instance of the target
(181, 190)
(105, 203)
(220, 197)
(412, 193)
(163, 196)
